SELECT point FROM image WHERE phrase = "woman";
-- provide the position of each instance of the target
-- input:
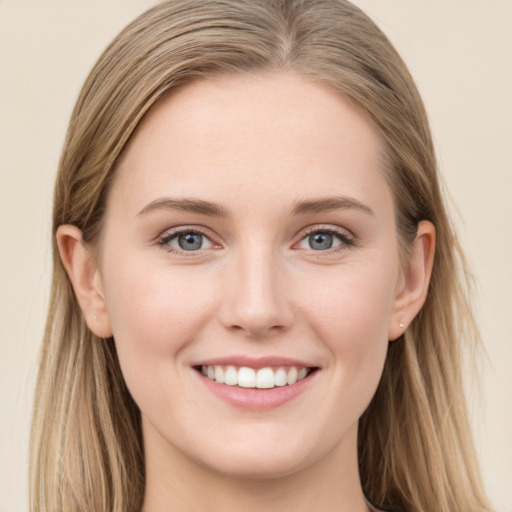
(255, 288)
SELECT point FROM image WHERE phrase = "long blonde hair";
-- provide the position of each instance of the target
(415, 446)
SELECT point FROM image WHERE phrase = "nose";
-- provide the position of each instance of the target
(256, 299)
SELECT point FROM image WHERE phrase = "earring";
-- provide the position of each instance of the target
(402, 325)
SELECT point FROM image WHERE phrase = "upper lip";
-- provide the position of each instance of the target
(254, 362)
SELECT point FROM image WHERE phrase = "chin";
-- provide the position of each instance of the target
(263, 459)
(257, 467)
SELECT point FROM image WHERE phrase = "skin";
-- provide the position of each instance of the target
(256, 148)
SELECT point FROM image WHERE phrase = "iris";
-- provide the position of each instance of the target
(320, 241)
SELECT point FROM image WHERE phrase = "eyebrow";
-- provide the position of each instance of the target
(185, 205)
(328, 204)
(215, 210)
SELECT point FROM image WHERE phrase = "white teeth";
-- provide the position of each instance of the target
(219, 375)
(231, 376)
(245, 377)
(292, 376)
(265, 378)
(280, 377)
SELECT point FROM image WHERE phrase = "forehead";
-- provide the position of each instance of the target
(258, 135)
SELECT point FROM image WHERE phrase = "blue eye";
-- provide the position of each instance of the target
(325, 239)
(185, 240)
(320, 241)
(190, 241)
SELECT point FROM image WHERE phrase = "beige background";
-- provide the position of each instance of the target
(458, 50)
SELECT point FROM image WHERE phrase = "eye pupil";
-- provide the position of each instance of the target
(190, 241)
(320, 241)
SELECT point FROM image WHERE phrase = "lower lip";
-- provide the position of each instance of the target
(257, 399)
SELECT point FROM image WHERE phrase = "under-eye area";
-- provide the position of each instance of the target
(261, 378)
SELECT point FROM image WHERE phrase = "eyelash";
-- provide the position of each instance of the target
(167, 237)
(347, 240)
(343, 237)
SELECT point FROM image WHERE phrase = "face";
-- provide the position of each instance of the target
(250, 236)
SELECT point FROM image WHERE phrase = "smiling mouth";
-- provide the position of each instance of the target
(251, 378)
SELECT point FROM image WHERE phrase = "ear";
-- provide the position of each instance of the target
(83, 272)
(413, 288)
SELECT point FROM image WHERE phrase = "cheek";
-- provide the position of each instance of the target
(154, 310)
(352, 305)
(155, 313)
(350, 314)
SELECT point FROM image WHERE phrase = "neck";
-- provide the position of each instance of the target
(331, 484)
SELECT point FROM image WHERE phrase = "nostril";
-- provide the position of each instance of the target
(258, 331)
